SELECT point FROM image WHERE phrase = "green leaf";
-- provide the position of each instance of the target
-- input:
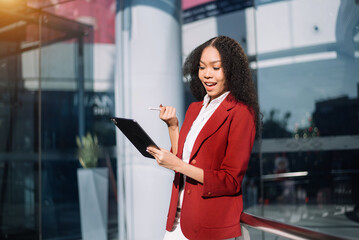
(88, 150)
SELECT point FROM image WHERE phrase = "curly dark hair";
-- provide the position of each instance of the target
(236, 71)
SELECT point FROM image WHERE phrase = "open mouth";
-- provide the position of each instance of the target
(209, 84)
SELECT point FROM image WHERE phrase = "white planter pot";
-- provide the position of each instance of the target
(93, 197)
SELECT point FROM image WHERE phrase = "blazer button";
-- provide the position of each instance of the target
(209, 193)
(189, 191)
(194, 161)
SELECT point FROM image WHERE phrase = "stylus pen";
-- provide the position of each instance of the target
(154, 108)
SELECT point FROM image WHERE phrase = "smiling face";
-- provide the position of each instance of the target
(211, 73)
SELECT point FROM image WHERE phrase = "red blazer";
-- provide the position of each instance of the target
(222, 149)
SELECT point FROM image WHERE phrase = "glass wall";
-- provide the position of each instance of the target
(19, 124)
(47, 98)
(308, 84)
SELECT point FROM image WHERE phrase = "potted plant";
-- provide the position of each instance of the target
(93, 189)
(88, 150)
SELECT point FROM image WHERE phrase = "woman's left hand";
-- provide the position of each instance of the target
(165, 158)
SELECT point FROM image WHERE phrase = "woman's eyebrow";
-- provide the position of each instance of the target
(215, 61)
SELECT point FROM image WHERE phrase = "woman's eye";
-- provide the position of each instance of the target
(216, 68)
(200, 67)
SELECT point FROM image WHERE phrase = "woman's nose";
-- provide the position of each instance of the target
(208, 73)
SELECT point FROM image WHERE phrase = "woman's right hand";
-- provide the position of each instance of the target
(168, 115)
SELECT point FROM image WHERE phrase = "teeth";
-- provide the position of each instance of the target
(210, 84)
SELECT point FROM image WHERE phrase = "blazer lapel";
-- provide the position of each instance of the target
(213, 123)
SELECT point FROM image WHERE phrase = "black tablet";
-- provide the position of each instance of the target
(135, 133)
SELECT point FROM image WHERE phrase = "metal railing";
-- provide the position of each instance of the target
(284, 230)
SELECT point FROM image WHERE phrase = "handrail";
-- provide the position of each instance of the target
(284, 230)
(269, 177)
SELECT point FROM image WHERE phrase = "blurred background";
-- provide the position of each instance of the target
(67, 66)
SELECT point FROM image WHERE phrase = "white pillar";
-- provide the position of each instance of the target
(148, 73)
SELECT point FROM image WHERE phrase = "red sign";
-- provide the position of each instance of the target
(186, 4)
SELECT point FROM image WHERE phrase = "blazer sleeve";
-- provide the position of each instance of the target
(228, 179)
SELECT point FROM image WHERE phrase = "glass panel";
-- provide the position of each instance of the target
(251, 184)
(308, 70)
(313, 190)
(60, 124)
(74, 102)
(19, 218)
(62, 109)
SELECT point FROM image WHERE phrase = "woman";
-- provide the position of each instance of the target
(211, 152)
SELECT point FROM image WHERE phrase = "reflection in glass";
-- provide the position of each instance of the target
(39, 106)
(304, 90)
(308, 87)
